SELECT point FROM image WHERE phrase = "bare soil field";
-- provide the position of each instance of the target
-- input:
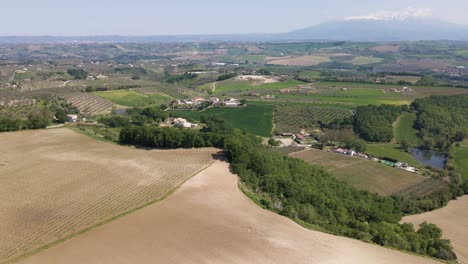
(258, 79)
(209, 220)
(309, 60)
(360, 173)
(56, 183)
(386, 48)
(453, 220)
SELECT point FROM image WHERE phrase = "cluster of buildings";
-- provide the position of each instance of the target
(350, 152)
(402, 90)
(213, 101)
(400, 165)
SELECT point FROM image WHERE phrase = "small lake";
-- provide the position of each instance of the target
(429, 157)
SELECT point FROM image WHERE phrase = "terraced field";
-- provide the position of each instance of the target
(68, 183)
(360, 173)
(90, 104)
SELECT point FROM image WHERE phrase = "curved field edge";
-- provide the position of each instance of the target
(256, 199)
(170, 192)
(219, 206)
(163, 196)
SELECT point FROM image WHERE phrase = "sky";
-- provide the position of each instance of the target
(177, 17)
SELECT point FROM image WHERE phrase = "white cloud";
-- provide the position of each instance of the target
(403, 14)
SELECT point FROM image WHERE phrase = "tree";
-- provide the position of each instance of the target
(404, 145)
(39, 119)
(61, 116)
(273, 143)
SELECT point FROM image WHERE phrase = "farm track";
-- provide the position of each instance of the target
(69, 182)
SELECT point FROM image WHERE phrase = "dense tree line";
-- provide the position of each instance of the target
(78, 74)
(135, 116)
(226, 76)
(37, 116)
(301, 191)
(180, 77)
(442, 120)
(374, 123)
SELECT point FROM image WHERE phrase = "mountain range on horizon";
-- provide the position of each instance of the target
(359, 29)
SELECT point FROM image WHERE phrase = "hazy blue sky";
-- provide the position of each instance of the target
(151, 17)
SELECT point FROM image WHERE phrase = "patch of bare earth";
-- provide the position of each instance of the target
(309, 60)
(55, 183)
(258, 79)
(209, 220)
(386, 48)
(453, 220)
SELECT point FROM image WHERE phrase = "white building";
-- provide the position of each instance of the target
(72, 118)
(182, 122)
(231, 102)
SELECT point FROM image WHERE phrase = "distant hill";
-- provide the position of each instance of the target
(382, 30)
(410, 29)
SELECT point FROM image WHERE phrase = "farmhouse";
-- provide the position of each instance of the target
(181, 122)
(231, 102)
(72, 118)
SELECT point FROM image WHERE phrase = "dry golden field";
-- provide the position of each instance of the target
(57, 182)
(209, 220)
(452, 219)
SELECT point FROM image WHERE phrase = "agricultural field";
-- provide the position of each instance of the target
(89, 104)
(307, 60)
(363, 60)
(253, 58)
(452, 220)
(293, 118)
(238, 86)
(360, 173)
(132, 98)
(461, 159)
(386, 48)
(404, 129)
(404, 78)
(69, 183)
(393, 151)
(256, 119)
(191, 221)
(365, 96)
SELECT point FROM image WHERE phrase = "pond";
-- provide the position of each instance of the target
(429, 157)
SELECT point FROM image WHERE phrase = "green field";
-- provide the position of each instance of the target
(392, 151)
(232, 85)
(132, 98)
(360, 173)
(352, 97)
(461, 159)
(258, 58)
(404, 129)
(309, 74)
(256, 119)
(363, 60)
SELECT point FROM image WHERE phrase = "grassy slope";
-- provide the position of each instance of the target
(461, 159)
(360, 173)
(392, 151)
(132, 98)
(256, 119)
(404, 129)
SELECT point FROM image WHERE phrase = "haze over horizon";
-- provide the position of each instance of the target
(180, 17)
